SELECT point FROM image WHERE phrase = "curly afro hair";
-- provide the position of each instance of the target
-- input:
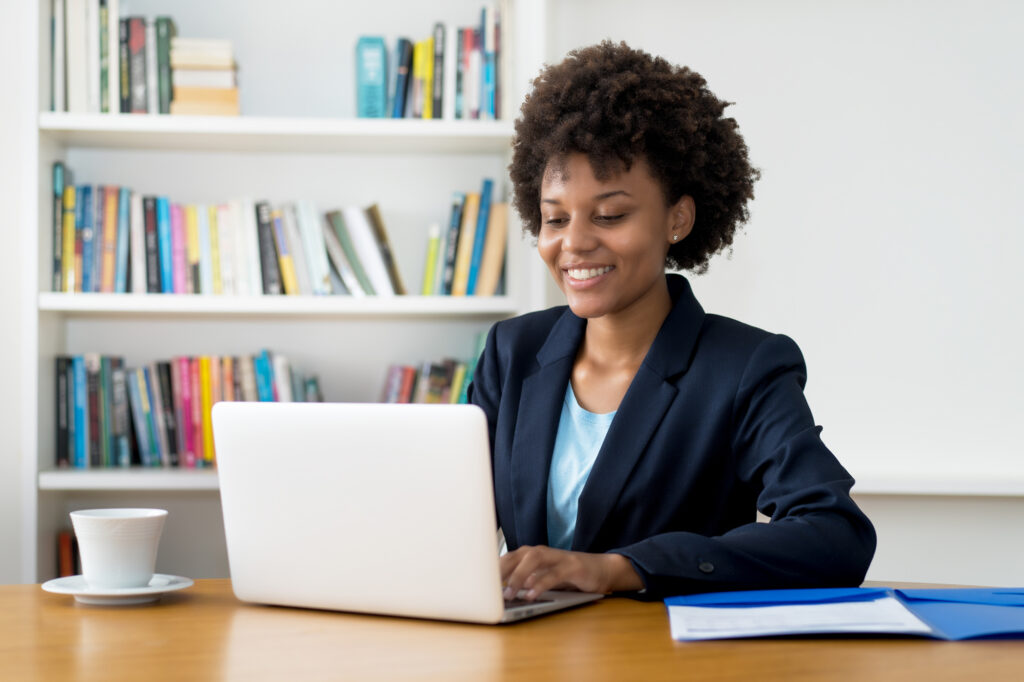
(617, 105)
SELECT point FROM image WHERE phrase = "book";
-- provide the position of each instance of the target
(139, 100)
(152, 70)
(124, 67)
(93, 410)
(106, 421)
(108, 238)
(487, 99)
(437, 71)
(137, 244)
(380, 233)
(57, 232)
(165, 30)
(64, 406)
(336, 219)
(88, 236)
(121, 446)
(181, 386)
(123, 239)
(253, 262)
(113, 70)
(193, 278)
(289, 283)
(430, 262)
(392, 384)
(197, 411)
(493, 259)
(157, 414)
(213, 227)
(428, 78)
(269, 265)
(225, 260)
(58, 78)
(403, 77)
(170, 412)
(138, 415)
(152, 262)
(449, 69)
(480, 239)
(282, 378)
(205, 281)
(179, 250)
(165, 248)
(368, 250)
(76, 58)
(79, 425)
(464, 250)
(104, 58)
(371, 77)
(99, 209)
(339, 261)
(69, 275)
(205, 405)
(312, 236)
(205, 78)
(296, 249)
(92, 51)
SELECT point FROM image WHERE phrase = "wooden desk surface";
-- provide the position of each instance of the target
(204, 633)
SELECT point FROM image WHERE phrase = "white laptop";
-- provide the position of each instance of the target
(372, 508)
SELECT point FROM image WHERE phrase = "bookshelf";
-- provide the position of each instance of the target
(297, 138)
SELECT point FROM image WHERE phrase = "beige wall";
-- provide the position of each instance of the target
(12, 104)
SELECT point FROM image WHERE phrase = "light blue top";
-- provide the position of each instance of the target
(579, 438)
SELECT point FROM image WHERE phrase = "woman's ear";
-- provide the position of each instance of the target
(682, 215)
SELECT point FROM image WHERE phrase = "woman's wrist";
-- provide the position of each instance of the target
(622, 577)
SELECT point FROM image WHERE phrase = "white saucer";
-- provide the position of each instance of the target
(113, 596)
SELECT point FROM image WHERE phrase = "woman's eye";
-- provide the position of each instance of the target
(554, 221)
(611, 218)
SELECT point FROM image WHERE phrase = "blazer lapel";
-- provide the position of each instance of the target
(641, 412)
(540, 407)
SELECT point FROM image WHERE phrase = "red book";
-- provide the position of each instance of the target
(408, 384)
(178, 249)
(181, 386)
(197, 409)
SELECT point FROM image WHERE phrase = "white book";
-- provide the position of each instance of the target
(252, 247)
(114, 56)
(316, 251)
(226, 246)
(241, 259)
(282, 378)
(76, 58)
(341, 263)
(92, 51)
(204, 78)
(58, 81)
(152, 79)
(137, 243)
(365, 243)
(205, 250)
(298, 253)
(471, 84)
(451, 53)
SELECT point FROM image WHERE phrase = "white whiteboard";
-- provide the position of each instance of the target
(886, 236)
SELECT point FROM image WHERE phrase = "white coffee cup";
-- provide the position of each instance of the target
(118, 546)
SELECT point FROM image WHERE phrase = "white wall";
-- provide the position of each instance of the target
(12, 107)
(885, 238)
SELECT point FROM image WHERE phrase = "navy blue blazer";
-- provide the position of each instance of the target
(713, 427)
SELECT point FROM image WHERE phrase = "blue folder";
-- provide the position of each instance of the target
(952, 614)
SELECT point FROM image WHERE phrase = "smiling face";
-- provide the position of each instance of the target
(605, 241)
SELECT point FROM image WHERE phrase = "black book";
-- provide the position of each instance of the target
(403, 73)
(124, 77)
(62, 368)
(59, 181)
(438, 91)
(452, 243)
(137, 65)
(170, 418)
(94, 406)
(269, 265)
(152, 246)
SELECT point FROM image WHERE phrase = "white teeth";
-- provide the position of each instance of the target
(587, 273)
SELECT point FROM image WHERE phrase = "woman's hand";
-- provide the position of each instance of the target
(538, 569)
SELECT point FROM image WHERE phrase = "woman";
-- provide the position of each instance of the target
(634, 436)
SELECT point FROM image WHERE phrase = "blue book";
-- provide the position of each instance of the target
(487, 30)
(371, 77)
(123, 227)
(264, 377)
(481, 235)
(149, 407)
(163, 235)
(80, 412)
(88, 238)
(403, 68)
(139, 415)
(205, 251)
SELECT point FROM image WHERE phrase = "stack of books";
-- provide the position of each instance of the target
(204, 77)
(158, 415)
(442, 382)
(455, 73)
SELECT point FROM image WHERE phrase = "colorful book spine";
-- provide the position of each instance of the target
(480, 239)
(493, 260)
(368, 250)
(270, 268)
(430, 264)
(193, 283)
(215, 231)
(206, 404)
(182, 375)
(123, 230)
(452, 242)
(88, 237)
(69, 276)
(487, 104)
(153, 404)
(80, 412)
(437, 71)
(284, 256)
(106, 417)
(149, 212)
(108, 271)
(121, 445)
(58, 225)
(63, 414)
(165, 245)
(205, 251)
(197, 411)
(380, 234)
(94, 409)
(403, 76)
(165, 30)
(99, 207)
(464, 252)
(137, 244)
(179, 249)
(337, 222)
(371, 77)
(139, 415)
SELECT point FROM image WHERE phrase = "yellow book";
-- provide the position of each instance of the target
(494, 250)
(284, 255)
(418, 77)
(109, 241)
(430, 266)
(205, 405)
(218, 287)
(69, 275)
(457, 379)
(428, 78)
(464, 252)
(192, 250)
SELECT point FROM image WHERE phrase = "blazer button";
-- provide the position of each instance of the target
(706, 567)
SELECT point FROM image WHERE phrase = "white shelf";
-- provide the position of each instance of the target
(939, 484)
(175, 304)
(129, 479)
(270, 134)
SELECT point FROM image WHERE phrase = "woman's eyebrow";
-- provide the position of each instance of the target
(599, 197)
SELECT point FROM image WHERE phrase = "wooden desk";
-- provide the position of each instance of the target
(204, 633)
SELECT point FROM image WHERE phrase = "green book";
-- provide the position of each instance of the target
(165, 30)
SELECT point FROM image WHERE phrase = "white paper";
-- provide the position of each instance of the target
(719, 622)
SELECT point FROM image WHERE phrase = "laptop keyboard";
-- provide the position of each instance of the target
(513, 603)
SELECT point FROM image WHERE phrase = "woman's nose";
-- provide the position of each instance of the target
(578, 236)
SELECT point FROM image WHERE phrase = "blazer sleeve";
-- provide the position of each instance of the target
(817, 536)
